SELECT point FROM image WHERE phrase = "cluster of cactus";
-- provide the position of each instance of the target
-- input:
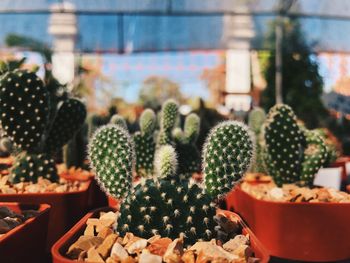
(27, 120)
(291, 153)
(256, 120)
(159, 203)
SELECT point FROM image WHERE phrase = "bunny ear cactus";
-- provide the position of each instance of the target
(69, 120)
(145, 144)
(169, 116)
(285, 144)
(227, 155)
(119, 120)
(24, 108)
(29, 167)
(315, 156)
(111, 156)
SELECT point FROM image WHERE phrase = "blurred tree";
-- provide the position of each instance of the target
(155, 90)
(302, 84)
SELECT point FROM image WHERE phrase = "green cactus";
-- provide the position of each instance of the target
(24, 108)
(69, 120)
(185, 141)
(145, 144)
(256, 120)
(165, 162)
(315, 156)
(74, 152)
(169, 116)
(111, 156)
(292, 153)
(29, 167)
(227, 155)
(119, 120)
(167, 209)
(285, 144)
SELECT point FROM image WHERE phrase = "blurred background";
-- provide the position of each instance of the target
(217, 57)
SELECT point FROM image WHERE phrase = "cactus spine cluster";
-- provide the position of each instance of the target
(228, 152)
(159, 204)
(26, 118)
(291, 153)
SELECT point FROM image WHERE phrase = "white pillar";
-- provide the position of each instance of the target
(237, 35)
(63, 28)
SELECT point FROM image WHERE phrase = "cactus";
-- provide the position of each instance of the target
(256, 120)
(185, 141)
(119, 120)
(227, 155)
(315, 156)
(24, 108)
(111, 156)
(165, 162)
(69, 120)
(29, 167)
(167, 209)
(292, 153)
(74, 152)
(145, 144)
(169, 116)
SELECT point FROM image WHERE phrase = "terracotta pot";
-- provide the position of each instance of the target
(60, 248)
(26, 242)
(66, 209)
(299, 231)
(341, 162)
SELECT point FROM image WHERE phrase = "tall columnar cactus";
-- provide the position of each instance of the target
(24, 108)
(291, 152)
(145, 143)
(315, 156)
(256, 120)
(285, 144)
(169, 116)
(69, 120)
(29, 167)
(227, 155)
(185, 141)
(111, 155)
(119, 120)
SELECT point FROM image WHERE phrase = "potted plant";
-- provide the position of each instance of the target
(39, 121)
(297, 211)
(166, 202)
(19, 224)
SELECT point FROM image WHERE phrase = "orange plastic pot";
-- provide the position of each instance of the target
(316, 232)
(60, 248)
(341, 162)
(66, 209)
(26, 242)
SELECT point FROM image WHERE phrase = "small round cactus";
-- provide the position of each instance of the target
(167, 209)
(165, 162)
(227, 155)
(29, 167)
(119, 120)
(24, 108)
(69, 120)
(111, 155)
(284, 144)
